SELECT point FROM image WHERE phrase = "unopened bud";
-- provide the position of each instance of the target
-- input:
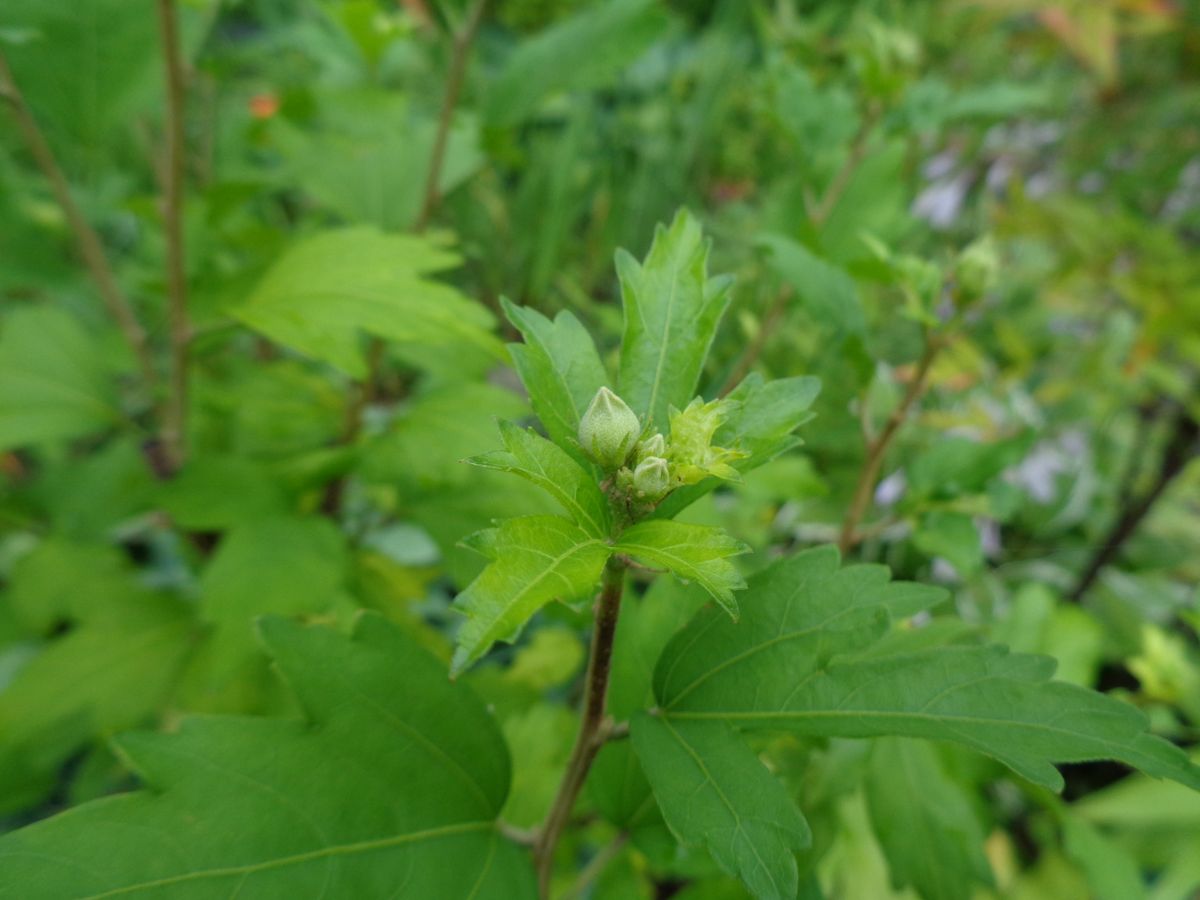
(608, 429)
(652, 478)
(655, 445)
(976, 269)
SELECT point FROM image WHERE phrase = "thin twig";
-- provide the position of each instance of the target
(596, 866)
(175, 409)
(454, 83)
(592, 727)
(877, 448)
(90, 246)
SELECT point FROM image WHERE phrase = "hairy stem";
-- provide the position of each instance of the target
(175, 409)
(592, 728)
(877, 447)
(91, 249)
(1181, 447)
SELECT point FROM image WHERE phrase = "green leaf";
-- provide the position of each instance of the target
(924, 822)
(550, 468)
(1112, 873)
(693, 552)
(381, 788)
(714, 792)
(582, 52)
(327, 289)
(672, 309)
(952, 536)
(114, 666)
(825, 290)
(559, 367)
(535, 559)
(54, 382)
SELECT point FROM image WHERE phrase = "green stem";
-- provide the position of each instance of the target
(593, 727)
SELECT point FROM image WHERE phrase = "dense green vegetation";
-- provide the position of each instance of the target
(599, 449)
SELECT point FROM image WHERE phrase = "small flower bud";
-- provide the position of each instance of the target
(652, 478)
(608, 429)
(656, 445)
(976, 269)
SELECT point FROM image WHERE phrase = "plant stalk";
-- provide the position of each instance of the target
(91, 249)
(174, 421)
(592, 727)
(877, 447)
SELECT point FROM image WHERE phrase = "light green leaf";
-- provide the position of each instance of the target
(582, 52)
(923, 819)
(423, 768)
(1111, 871)
(714, 792)
(559, 367)
(327, 289)
(550, 468)
(952, 536)
(54, 382)
(672, 309)
(693, 552)
(824, 289)
(535, 559)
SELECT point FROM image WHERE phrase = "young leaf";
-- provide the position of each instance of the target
(693, 552)
(382, 788)
(714, 792)
(924, 821)
(54, 383)
(550, 468)
(672, 309)
(560, 368)
(327, 289)
(826, 290)
(535, 559)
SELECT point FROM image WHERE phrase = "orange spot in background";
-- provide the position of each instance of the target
(263, 106)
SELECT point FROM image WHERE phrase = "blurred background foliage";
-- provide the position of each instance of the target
(346, 351)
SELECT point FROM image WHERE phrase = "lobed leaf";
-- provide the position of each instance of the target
(672, 309)
(560, 368)
(381, 790)
(693, 552)
(535, 559)
(536, 459)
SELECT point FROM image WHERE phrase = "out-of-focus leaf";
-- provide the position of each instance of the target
(824, 289)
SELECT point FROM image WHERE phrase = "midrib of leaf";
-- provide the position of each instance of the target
(712, 781)
(332, 850)
(570, 500)
(65, 391)
(662, 344)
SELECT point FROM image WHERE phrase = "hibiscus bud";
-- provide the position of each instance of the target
(652, 478)
(608, 429)
(655, 445)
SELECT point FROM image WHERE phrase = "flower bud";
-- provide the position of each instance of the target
(652, 478)
(608, 429)
(652, 446)
(976, 269)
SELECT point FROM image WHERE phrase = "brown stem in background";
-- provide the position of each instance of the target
(454, 82)
(1181, 447)
(90, 246)
(818, 213)
(877, 447)
(174, 421)
(593, 727)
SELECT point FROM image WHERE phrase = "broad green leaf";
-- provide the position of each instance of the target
(328, 289)
(285, 566)
(930, 834)
(672, 309)
(582, 52)
(534, 559)
(54, 381)
(559, 367)
(394, 781)
(549, 467)
(714, 792)
(218, 492)
(114, 666)
(801, 612)
(693, 552)
(1111, 871)
(952, 536)
(824, 289)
